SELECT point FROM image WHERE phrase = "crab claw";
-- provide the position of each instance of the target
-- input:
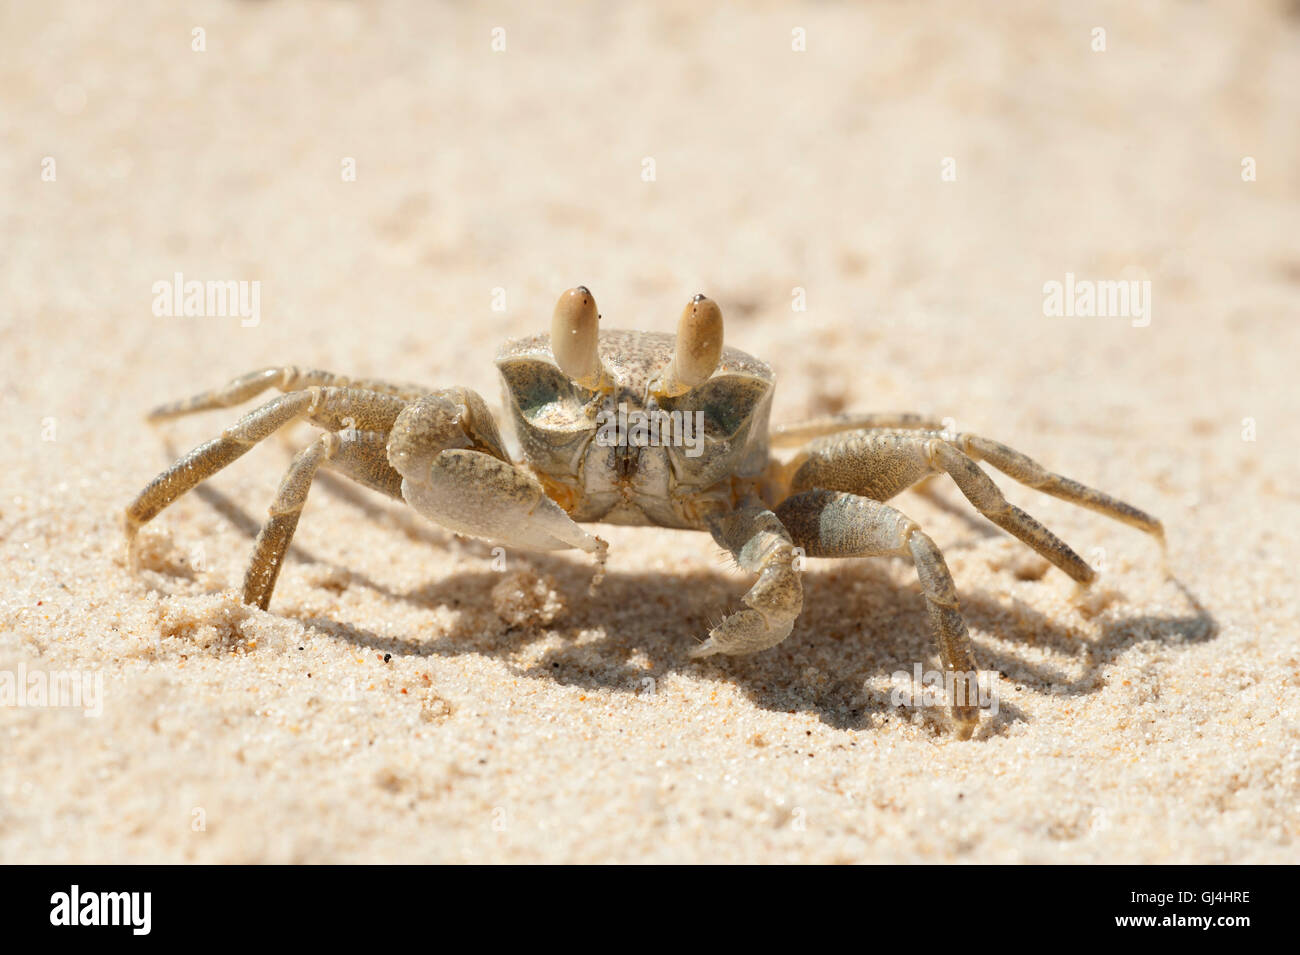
(745, 631)
(575, 329)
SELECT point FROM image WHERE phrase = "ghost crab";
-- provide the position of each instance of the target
(439, 451)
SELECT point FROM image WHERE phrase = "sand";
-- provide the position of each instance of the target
(403, 700)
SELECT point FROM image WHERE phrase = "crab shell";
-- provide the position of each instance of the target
(611, 454)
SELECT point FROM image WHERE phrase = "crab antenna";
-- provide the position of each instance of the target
(575, 326)
(699, 346)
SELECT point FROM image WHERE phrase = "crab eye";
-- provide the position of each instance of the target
(574, 334)
(699, 347)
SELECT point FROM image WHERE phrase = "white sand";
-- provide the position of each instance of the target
(1156, 723)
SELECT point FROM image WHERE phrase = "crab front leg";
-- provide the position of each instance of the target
(760, 544)
(456, 473)
(839, 524)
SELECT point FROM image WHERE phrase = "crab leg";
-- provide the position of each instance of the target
(755, 537)
(988, 500)
(333, 408)
(1029, 472)
(838, 524)
(881, 464)
(286, 378)
(358, 453)
(799, 432)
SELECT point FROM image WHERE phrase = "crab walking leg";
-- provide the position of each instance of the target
(277, 533)
(790, 434)
(880, 464)
(838, 524)
(760, 544)
(358, 454)
(1029, 472)
(287, 378)
(333, 408)
(988, 500)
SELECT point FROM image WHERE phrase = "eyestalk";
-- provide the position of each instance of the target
(699, 347)
(575, 330)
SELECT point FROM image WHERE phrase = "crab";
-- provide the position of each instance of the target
(572, 397)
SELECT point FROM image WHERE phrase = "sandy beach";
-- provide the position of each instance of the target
(879, 197)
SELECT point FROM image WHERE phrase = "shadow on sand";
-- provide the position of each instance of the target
(858, 625)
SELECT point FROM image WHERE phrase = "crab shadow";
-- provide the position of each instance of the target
(859, 627)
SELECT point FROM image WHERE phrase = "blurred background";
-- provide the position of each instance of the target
(506, 147)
